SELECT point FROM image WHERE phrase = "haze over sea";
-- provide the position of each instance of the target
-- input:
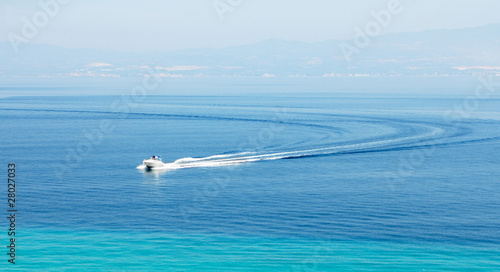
(285, 174)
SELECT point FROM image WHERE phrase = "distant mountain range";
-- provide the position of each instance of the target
(434, 52)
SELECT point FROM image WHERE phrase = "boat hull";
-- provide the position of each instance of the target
(151, 164)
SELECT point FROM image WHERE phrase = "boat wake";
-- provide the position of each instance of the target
(325, 134)
(427, 134)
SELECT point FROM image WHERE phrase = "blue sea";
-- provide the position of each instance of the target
(265, 174)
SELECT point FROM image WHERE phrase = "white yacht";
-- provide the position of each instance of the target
(153, 162)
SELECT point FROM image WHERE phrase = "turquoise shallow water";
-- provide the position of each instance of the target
(52, 250)
(276, 182)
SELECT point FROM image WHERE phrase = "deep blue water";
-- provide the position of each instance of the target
(301, 182)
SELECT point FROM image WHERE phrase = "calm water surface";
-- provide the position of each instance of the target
(325, 182)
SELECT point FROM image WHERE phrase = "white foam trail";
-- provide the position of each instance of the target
(243, 157)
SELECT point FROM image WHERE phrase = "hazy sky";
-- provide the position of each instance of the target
(168, 25)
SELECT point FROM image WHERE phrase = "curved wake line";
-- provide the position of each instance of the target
(245, 157)
(428, 135)
(128, 115)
